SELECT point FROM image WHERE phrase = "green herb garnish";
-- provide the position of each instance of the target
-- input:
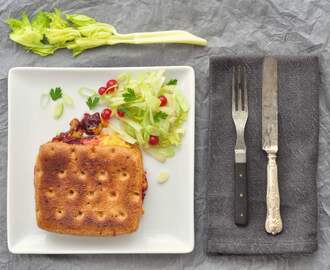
(56, 93)
(127, 112)
(60, 99)
(159, 115)
(129, 95)
(172, 82)
(92, 102)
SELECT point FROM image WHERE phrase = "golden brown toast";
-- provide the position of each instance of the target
(89, 189)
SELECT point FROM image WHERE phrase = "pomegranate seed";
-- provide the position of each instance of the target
(111, 83)
(56, 139)
(111, 86)
(120, 113)
(102, 90)
(163, 101)
(106, 114)
(153, 140)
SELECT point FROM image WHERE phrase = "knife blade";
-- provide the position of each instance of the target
(273, 224)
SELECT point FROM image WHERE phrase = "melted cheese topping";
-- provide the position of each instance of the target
(109, 140)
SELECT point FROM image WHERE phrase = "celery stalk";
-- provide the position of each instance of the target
(174, 36)
(49, 31)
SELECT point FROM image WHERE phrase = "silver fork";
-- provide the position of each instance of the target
(240, 116)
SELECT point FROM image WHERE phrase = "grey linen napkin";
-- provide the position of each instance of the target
(299, 82)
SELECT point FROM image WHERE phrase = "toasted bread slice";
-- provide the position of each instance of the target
(89, 189)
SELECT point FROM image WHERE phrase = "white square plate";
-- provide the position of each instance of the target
(167, 225)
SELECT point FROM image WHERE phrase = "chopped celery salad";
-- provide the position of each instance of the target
(144, 108)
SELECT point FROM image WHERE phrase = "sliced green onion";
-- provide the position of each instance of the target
(86, 92)
(163, 177)
(44, 100)
(67, 100)
(58, 110)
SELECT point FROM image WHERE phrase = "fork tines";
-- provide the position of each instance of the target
(239, 89)
(239, 110)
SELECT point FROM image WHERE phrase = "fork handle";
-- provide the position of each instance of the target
(241, 217)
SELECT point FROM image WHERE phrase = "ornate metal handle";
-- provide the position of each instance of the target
(273, 219)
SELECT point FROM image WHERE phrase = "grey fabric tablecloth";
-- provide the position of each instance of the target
(298, 96)
(231, 27)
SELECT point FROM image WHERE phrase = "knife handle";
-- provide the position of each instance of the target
(273, 223)
(241, 217)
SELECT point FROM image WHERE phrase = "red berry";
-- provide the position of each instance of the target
(106, 114)
(102, 90)
(111, 83)
(111, 86)
(120, 113)
(163, 101)
(153, 140)
(56, 139)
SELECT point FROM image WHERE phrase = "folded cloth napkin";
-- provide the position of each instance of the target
(298, 86)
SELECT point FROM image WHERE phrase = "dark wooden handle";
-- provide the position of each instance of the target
(241, 215)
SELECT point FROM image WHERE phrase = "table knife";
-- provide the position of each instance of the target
(273, 224)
